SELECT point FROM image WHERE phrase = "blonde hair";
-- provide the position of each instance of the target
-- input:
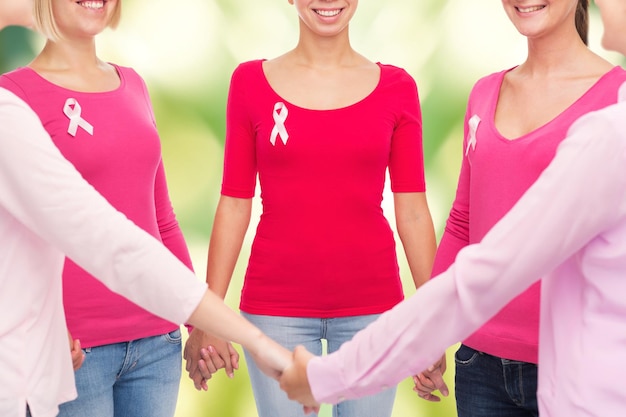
(46, 23)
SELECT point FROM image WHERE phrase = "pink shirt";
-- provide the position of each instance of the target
(47, 210)
(122, 160)
(495, 172)
(577, 242)
(323, 247)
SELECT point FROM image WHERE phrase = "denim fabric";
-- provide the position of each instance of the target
(139, 378)
(488, 386)
(271, 401)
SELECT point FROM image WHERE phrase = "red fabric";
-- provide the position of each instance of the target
(323, 247)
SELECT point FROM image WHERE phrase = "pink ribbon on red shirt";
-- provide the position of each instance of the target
(280, 115)
(73, 110)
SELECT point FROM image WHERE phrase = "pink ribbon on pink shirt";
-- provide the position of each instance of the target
(280, 115)
(73, 110)
(473, 123)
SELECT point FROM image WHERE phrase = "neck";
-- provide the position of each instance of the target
(556, 53)
(325, 52)
(65, 55)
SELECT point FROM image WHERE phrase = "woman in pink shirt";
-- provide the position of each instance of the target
(570, 229)
(514, 121)
(321, 126)
(100, 117)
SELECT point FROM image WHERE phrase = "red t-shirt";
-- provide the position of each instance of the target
(323, 247)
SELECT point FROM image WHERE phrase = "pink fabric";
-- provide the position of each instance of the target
(47, 210)
(122, 160)
(495, 172)
(577, 242)
(323, 247)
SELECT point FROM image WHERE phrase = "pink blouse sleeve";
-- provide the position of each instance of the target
(586, 180)
(456, 233)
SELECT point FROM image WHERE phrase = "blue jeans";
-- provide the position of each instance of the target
(271, 401)
(489, 386)
(139, 378)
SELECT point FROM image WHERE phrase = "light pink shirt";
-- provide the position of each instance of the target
(48, 210)
(577, 241)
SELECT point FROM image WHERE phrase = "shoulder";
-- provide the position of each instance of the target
(603, 129)
(8, 100)
(614, 78)
(128, 73)
(14, 111)
(18, 79)
(248, 69)
(397, 80)
(394, 73)
(490, 81)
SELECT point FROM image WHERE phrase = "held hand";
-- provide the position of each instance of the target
(219, 354)
(205, 355)
(432, 380)
(78, 357)
(295, 383)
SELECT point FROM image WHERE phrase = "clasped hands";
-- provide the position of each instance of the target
(205, 355)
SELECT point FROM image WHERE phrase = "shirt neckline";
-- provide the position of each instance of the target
(293, 105)
(562, 114)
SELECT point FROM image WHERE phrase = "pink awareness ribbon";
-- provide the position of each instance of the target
(280, 115)
(73, 110)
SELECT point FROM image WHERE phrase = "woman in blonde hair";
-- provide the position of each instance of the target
(100, 117)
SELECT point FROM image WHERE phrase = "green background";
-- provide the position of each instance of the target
(186, 52)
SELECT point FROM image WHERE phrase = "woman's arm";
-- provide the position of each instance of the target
(204, 353)
(417, 233)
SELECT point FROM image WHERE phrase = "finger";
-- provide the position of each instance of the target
(429, 397)
(199, 382)
(234, 356)
(212, 356)
(423, 383)
(191, 361)
(206, 369)
(435, 380)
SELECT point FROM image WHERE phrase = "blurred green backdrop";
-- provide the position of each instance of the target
(186, 52)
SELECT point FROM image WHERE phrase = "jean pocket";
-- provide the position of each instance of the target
(465, 355)
(174, 336)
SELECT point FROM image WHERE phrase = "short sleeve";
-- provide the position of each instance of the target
(406, 161)
(239, 175)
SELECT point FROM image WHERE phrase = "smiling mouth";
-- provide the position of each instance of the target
(328, 13)
(91, 4)
(529, 9)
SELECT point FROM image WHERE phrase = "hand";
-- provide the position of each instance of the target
(294, 380)
(78, 357)
(431, 380)
(205, 355)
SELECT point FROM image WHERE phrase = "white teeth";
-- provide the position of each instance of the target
(92, 4)
(529, 9)
(328, 13)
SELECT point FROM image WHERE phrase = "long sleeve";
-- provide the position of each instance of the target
(169, 229)
(585, 186)
(456, 233)
(44, 192)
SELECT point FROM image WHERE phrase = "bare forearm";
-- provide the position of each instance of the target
(214, 317)
(416, 231)
(229, 229)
